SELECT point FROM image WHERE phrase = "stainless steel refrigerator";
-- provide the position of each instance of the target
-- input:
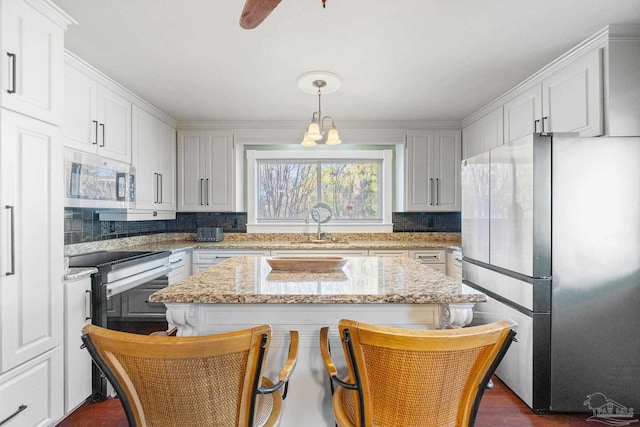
(551, 233)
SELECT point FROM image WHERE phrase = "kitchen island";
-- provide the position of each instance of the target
(244, 291)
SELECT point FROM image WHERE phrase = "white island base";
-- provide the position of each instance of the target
(308, 402)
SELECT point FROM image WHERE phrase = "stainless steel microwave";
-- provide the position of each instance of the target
(97, 182)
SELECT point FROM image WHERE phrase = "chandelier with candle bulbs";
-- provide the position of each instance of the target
(320, 81)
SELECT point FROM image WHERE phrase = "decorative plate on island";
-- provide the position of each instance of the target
(305, 263)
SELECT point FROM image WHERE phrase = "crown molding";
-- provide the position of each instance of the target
(53, 12)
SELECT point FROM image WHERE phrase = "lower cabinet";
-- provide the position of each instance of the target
(205, 258)
(434, 258)
(30, 395)
(77, 361)
(181, 265)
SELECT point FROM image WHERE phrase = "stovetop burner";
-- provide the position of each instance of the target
(96, 259)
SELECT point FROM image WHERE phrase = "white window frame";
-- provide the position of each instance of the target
(333, 226)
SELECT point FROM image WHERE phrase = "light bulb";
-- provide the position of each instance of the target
(306, 141)
(333, 138)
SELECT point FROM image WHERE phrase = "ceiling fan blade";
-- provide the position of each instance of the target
(255, 11)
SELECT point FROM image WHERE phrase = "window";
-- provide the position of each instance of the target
(283, 187)
(288, 189)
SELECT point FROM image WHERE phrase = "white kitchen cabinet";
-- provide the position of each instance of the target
(154, 157)
(97, 118)
(77, 361)
(205, 258)
(181, 264)
(205, 171)
(32, 59)
(320, 252)
(31, 395)
(523, 114)
(483, 134)
(433, 258)
(433, 170)
(572, 97)
(31, 250)
(389, 253)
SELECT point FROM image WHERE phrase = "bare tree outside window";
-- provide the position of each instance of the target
(287, 190)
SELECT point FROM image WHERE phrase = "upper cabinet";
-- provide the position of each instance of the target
(483, 134)
(31, 64)
(593, 90)
(205, 171)
(572, 97)
(433, 170)
(97, 118)
(154, 157)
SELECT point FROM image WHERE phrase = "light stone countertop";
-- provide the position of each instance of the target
(74, 273)
(370, 280)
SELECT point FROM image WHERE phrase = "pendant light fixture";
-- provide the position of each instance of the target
(319, 81)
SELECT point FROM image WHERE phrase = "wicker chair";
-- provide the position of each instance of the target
(403, 377)
(211, 380)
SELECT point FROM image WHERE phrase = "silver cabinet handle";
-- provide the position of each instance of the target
(175, 262)
(535, 125)
(14, 77)
(95, 123)
(12, 56)
(431, 191)
(438, 191)
(160, 193)
(103, 142)
(87, 305)
(427, 256)
(155, 196)
(543, 119)
(20, 409)
(207, 192)
(201, 196)
(12, 240)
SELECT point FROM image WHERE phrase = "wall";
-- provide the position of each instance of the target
(83, 225)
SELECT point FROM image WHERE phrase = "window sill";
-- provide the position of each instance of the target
(326, 228)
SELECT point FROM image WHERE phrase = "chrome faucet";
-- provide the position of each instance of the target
(317, 211)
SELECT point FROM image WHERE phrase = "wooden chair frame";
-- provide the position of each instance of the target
(497, 336)
(104, 344)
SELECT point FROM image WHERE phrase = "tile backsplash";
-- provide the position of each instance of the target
(82, 225)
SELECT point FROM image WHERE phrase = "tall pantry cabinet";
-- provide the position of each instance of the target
(31, 212)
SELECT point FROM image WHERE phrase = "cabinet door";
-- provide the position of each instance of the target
(446, 158)
(80, 114)
(32, 55)
(32, 393)
(166, 152)
(114, 133)
(219, 178)
(484, 134)
(523, 114)
(31, 258)
(420, 182)
(191, 171)
(572, 97)
(77, 361)
(144, 154)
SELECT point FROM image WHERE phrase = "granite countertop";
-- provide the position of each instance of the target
(250, 280)
(74, 273)
(260, 244)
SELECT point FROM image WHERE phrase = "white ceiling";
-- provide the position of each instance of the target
(399, 59)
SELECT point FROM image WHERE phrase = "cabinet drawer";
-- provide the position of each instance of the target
(429, 256)
(214, 256)
(321, 252)
(388, 252)
(33, 393)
